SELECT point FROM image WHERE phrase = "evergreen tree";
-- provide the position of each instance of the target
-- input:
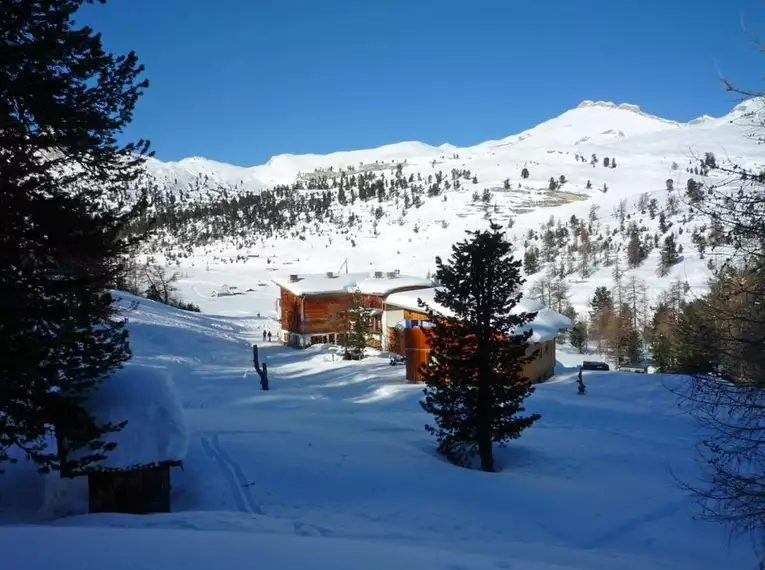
(663, 333)
(669, 255)
(662, 353)
(601, 315)
(633, 349)
(635, 250)
(359, 328)
(577, 336)
(698, 344)
(663, 225)
(693, 191)
(65, 210)
(475, 384)
(531, 260)
(524, 173)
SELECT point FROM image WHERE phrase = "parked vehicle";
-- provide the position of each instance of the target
(396, 360)
(595, 365)
(633, 368)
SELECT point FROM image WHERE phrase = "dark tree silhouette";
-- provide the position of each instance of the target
(64, 211)
(475, 384)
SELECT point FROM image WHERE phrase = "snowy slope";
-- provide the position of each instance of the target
(648, 150)
(332, 469)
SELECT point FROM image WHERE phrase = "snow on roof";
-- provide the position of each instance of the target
(156, 430)
(544, 327)
(366, 283)
(408, 300)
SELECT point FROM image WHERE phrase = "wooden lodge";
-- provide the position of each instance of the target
(135, 476)
(406, 323)
(311, 307)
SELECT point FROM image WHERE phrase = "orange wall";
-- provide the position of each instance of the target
(417, 352)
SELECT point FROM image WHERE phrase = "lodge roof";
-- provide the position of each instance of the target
(544, 327)
(375, 283)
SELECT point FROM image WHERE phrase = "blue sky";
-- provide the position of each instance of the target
(242, 80)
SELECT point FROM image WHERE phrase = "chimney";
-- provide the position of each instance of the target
(293, 278)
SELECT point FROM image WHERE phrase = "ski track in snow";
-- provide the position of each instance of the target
(240, 486)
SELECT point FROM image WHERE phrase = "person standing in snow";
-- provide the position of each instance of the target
(265, 334)
(269, 336)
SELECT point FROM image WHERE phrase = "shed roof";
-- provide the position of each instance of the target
(544, 327)
(156, 430)
(366, 283)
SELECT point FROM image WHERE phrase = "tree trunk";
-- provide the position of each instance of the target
(486, 452)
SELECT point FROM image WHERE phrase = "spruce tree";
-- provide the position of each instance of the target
(474, 376)
(669, 255)
(577, 336)
(601, 315)
(531, 260)
(635, 249)
(66, 206)
(359, 329)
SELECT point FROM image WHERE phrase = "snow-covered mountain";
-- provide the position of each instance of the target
(609, 169)
(591, 125)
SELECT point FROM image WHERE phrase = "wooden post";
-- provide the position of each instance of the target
(261, 370)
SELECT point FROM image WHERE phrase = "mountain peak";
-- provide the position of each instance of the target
(624, 107)
(610, 105)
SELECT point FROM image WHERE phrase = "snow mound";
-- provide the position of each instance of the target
(143, 395)
(546, 325)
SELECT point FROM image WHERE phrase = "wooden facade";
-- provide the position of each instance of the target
(415, 315)
(291, 311)
(325, 314)
(322, 317)
(417, 351)
(138, 491)
(543, 366)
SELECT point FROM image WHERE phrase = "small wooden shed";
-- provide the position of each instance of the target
(135, 476)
